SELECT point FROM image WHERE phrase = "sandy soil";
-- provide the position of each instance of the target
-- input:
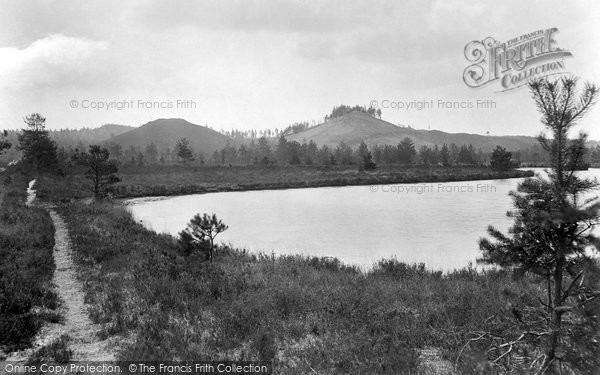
(30, 193)
(432, 363)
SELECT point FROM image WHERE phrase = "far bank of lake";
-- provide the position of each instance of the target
(180, 180)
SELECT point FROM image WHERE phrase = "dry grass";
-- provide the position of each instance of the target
(304, 314)
(26, 267)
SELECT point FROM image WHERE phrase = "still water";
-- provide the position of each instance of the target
(438, 224)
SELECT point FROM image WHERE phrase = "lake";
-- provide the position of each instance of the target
(438, 224)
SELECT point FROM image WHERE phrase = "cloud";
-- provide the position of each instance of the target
(457, 16)
(318, 49)
(55, 60)
(260, 63)
(283, 16)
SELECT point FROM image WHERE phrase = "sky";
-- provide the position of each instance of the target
(253, 64)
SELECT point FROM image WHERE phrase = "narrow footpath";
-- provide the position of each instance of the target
(83, 334)
(83, 339)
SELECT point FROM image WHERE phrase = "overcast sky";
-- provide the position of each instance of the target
(265, 64)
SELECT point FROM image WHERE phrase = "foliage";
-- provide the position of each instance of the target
(595, 154)
(4, 144)
(294, 128)
(152, 153)
(189, 245)
(100, 169)
(428, 155)
(38, 149)
(365, 158)
(200, 232)
(281, 151)
(183, 150)
(500, 160)
(344, 154)
(552, 238)
(345, 109)
(406, 151)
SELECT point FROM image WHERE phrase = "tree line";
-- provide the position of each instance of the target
(343, 109)
(264, 151)
(285, 152)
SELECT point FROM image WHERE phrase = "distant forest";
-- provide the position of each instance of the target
(286, 152)
(270, 147)
(247, 148)
(270, 151)
(68, 139)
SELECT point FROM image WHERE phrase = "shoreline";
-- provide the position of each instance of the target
(125, 192)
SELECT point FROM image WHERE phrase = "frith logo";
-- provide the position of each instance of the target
(514, 62)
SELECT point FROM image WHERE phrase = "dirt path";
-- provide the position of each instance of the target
(30, 193)
(432, 363)
(82, 333)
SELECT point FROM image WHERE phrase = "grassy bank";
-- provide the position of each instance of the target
(26, 266)
(179, 180)
(305, 314)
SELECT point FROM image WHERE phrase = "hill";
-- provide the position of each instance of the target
(87, 136)
(354, 127)
(164, 133)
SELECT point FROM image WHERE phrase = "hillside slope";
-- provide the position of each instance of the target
(87, 136)
(355, 127)
(165, 133)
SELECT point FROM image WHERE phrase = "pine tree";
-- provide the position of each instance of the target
(406, 151)
(500, 159)
(362, 151)
(100, 169)
(445, 155)
(183, 150)
(367, 162)
(38, 149)
(552, 238)
(201, 232)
